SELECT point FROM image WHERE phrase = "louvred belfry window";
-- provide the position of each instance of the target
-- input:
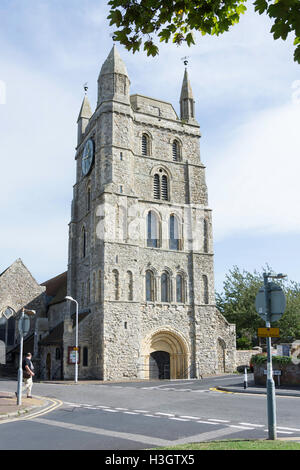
(176, 151)
(164, 188)
(145, 144)
(156, 188)
(161, 186)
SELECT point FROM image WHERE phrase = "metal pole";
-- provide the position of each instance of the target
(245, 378)
(76, 344)
(20, 370)
(270, 382)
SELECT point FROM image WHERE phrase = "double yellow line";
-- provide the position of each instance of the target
(51, 407)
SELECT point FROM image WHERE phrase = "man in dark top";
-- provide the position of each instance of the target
(28, 373)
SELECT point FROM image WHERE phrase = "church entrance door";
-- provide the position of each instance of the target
(159, 365)
(164, 355)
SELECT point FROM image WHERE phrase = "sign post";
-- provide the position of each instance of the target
(270, 305)
(24, 327)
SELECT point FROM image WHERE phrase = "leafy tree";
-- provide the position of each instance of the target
(289, 324)
(138, 21)
(237, 304)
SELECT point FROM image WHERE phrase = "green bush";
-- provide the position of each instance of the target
(243, 343)
(260, 359)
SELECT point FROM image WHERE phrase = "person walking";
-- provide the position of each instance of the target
(28, 373)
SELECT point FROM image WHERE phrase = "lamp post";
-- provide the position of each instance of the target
(23, 330)
(76, 337)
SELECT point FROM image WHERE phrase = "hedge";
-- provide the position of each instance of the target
(262, 359)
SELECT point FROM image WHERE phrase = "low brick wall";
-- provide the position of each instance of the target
(290, 374)
(243, 356)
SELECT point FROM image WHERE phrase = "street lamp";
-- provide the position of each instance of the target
(76, 337)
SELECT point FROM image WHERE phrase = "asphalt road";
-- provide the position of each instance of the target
(143, 415)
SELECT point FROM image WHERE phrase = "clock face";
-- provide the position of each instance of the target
(87, 157)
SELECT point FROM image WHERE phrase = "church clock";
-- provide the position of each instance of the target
(87, 157)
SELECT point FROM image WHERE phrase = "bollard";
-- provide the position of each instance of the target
(245, 378)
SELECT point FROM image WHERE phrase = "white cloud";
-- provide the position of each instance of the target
(254, 180)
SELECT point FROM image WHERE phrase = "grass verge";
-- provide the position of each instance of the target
(238, 445)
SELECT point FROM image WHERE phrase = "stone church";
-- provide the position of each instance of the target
(140, 247)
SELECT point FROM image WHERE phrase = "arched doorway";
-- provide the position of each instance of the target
(159, 365)
(165, 355)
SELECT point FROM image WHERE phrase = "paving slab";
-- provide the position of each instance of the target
(9, 407)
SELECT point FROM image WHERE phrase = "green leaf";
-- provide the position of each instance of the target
(190, 39)
(297, 54)
(261, 6)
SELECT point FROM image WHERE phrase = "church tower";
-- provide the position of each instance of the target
(140, 243)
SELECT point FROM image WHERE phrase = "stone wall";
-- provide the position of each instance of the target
(290, 374)
(243, 356)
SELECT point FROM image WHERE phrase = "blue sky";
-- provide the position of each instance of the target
(247, 92)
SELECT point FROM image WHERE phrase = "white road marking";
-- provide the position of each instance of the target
(184, 418)
(207, 422)
(251, 424)
(190, 417)
(219, 420)
(179, 419)
(239, 427)
(288, 429)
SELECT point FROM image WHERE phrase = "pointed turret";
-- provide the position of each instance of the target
(113, 81)
(187, 103)
(83, 117)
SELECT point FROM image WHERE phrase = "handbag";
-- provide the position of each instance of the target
(26, 375)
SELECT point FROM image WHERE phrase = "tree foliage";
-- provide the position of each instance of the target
(237, 304)
(139, 21)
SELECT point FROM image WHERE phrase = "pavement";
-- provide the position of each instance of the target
(10, 409)
(238, 387)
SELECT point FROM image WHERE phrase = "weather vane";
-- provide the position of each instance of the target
(85, 87)
(185, 60)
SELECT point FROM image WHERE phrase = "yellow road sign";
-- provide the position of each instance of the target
(268, 332)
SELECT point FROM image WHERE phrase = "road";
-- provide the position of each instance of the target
(143, 415)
